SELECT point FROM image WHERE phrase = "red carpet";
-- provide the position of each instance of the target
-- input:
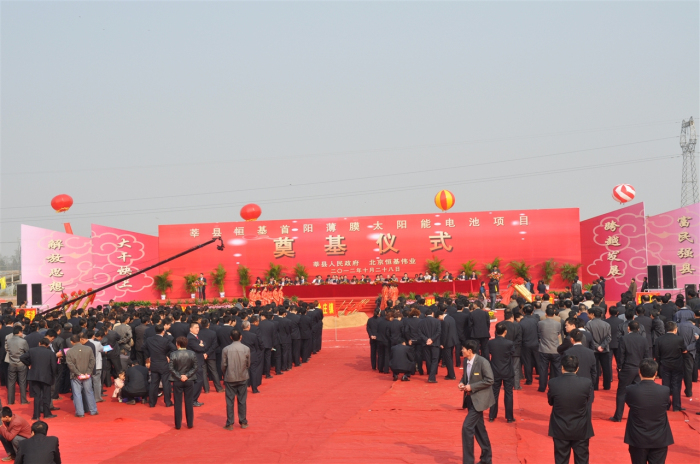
(335, 409)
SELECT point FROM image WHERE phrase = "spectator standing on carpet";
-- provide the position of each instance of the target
(13, 430)
(514, 333)
(668, 352)
(81, 363)
(195, 345)
(648, 432)
(156, 350)
(549, 333)
(372, 334)
(254, 344)
(15, 347)
(633, 348)
(480, 322)
(570, 421)
(501, 351)
(430, 339)
(183, 371)
(235, 363)
(43, 367)
(600, 330)
(530, 357)
(39, 449)
(476, 384)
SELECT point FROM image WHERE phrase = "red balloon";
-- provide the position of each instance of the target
(251, 212)
(61, 203)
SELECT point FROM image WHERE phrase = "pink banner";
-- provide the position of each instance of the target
(674, 238)
(118, 253)
(613, 246)
(60, 262)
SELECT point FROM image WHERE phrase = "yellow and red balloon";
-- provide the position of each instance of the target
(251, 212)
(444, 200)
(61, 203)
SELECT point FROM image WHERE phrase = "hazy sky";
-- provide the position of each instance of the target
(176, 112)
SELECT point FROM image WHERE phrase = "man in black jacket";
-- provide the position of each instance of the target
(285, 332)
(430, 339)
(530, 354)
(461, 317)
(209, 370)
(493, 292)
(135, 384)
(448, 341)
(402, 361)
(157, 349)
(383, 344)
(277, 343)
(183, 370)
(296, 335)
(179, 328)
(197, 346)
(501, 351)
(39, 449)
(42, 374)
(648, 324)
(570, 421)
(633, 349)
(614, 321)
(586, 358)
(514, 333)
(267, 336)
(257, 350)
(668, 352)
(305, 332)
(481, 327)
(372, 324)
(648, 432)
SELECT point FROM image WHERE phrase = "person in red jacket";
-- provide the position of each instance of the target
(13, 430)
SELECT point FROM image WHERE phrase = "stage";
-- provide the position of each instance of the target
(335, 409)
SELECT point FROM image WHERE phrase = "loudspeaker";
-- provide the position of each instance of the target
(36, 295)
(21, 293)
(668, 272)
(690, 288)
(654, 275)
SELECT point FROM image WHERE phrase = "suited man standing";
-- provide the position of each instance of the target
(530, 355)
(668, 352)
(586, 359)
(448, 340)
(648, 324)
(157, 349)
(570, 421)
(430, 332)
(39, 449)
(614, 322)
(476, 384)
(305, 332)
(601, 332)
(197, 346)
(296, 335)
(211, 343)
(267, 335)
(549, 332)
(257, 350)
(648, 432)
(501, 351)
(633, 349)
(514, 333)
(43, 368)
(480, 322)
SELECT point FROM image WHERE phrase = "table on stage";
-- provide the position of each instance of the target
(306, 292)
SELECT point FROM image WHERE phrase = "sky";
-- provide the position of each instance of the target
(152, 113)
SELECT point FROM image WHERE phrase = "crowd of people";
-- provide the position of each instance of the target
(173, 352)
(333, 279)
(572, 344)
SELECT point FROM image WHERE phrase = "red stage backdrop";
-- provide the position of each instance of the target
(374, 244)
(613, 245)
(674, 238)
(118, 253)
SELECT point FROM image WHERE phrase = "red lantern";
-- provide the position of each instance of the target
(61, 203)
(623, 193)
(251, 212)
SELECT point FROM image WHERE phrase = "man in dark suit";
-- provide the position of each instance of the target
(481, 327)
(305, 332)
(476, 384)
(668, 352)
(211, 343)
(461, 317)
(648, 432)
(514, 333)
(257, 350)
(586, 358)
(157, 349)
(501, 351)
(648, 324)
(668, 309)
(267, 335)
(39, 449)
(195, 344)
(570, 421)
(179, 328)
(430, 333)
(530, 354)
(296, 335)
(402, 362)
(448, 341)
(43, 368)
(633, 349)
(614, 321)
(276, 358)
(223, 339)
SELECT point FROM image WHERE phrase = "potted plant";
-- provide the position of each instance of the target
(521, 269)
(243, 277)
(274, 272)
(549, 269)
(469, 267)
(163, 283)
(217, 277)
(300, 271)
(569, 272)
(190, 280)
(495, 264)
(434, 266)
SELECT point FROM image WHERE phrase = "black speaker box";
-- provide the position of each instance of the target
(668, 272)
(21, 293)
(36, 295)
(654, 277)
